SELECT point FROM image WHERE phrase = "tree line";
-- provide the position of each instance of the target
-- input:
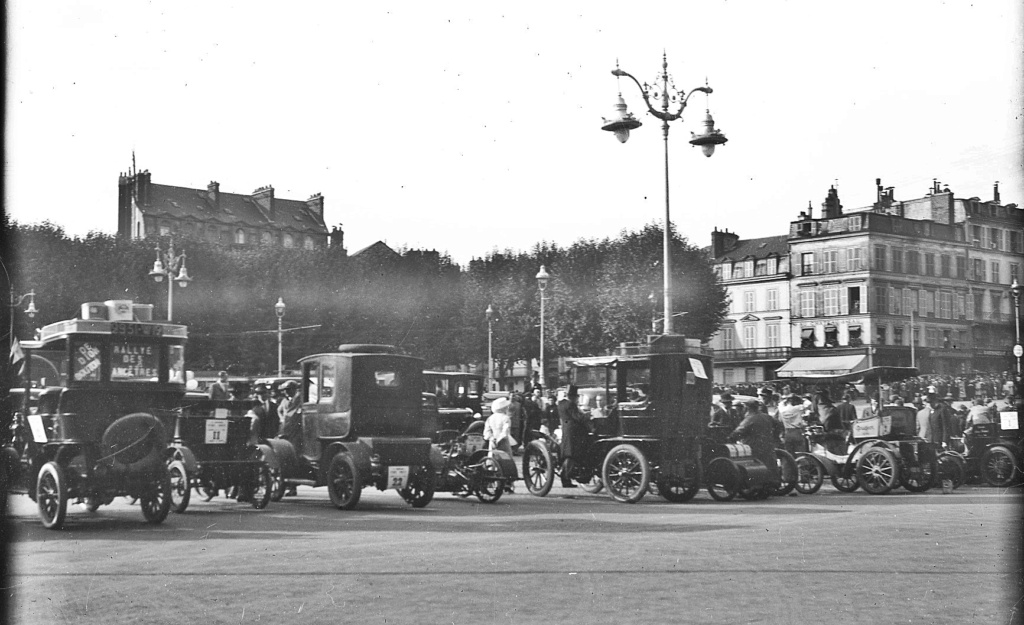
(601, 293)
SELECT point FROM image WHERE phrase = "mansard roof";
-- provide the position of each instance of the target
(756, 248)
(234, 209)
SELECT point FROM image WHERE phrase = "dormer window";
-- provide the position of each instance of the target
(772, 265)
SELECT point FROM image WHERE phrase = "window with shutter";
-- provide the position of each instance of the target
(842, 260)
(844, 302)
(819, 303)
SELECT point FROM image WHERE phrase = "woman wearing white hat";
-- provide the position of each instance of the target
(498, 427)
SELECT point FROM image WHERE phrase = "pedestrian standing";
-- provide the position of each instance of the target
(791, 414)
(532, 415)
(221, 389)
(498, 427)
(574, 434)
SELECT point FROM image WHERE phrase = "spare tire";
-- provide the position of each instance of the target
(133, 437)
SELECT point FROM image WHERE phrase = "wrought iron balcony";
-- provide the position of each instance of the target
(757, 353)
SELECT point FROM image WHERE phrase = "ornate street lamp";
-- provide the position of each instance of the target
(167, 264)
(490, 357)
(1018, 350)
(279, 309)
(623, 121)
(31, 311)
(542, 282)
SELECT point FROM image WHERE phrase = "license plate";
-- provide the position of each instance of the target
(216, 432)
(398, 477)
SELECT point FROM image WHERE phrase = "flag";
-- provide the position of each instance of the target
(17, 356)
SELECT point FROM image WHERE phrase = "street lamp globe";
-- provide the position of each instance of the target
(183, 278)
(621, 122)
(158, 271)
(31, 310)
(542, 278)
(279, 307)
(489, 312)
(1015, 289)
(710, 138)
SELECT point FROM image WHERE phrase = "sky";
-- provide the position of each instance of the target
(473, 127)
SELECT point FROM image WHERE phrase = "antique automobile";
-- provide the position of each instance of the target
(468, 468)
(885, 453)
(215, 449)
(361, 424)
(991, 451)
(730, 469)
(454, 396)
(654, 429)
(103, 420)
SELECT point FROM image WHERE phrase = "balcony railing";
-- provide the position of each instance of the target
(757, 353)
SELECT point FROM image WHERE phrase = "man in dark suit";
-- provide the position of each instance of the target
(266, 413)
(220, 389)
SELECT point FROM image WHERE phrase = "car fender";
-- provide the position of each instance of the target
(187, 458)
(827, 466)
(269, 457)
(359, 451)
(505, 461)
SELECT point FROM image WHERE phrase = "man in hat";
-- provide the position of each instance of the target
(265, 412)
(723, 414)
(220, 389)
(757, 430)
(574, 433)
(835, 434)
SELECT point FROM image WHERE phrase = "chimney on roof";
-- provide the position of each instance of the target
(337, 238)
(723, 241)
(264, 196)
(213, 193)
(142, 190)
(995, 193)
(315, 203)
(124, 205)
(883, 197)
(831, 207)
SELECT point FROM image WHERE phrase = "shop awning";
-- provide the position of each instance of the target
(839, 369)
(823, 367)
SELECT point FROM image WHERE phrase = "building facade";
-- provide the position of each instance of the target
(875, 292)
(146, 209)
(755, 337)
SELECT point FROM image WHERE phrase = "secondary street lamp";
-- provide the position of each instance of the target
(30, 311)
(279, 309)
(490, 358)
(542, 282)
(623, 121)
(167, 264)
(1018, 350)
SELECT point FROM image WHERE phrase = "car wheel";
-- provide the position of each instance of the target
(786, 467)
(951, 467)
(919, 477)
(156, 503)
(626, 473)
(420, 490)
(491, 481)
(999, 467)
(277, 485)
(877, 471)
(343, 482)
(723, 479)
(181, 491)
(678, 489)
(809, 475)
(844, 478)
(538, 469)
(52, 495)
(264, 488)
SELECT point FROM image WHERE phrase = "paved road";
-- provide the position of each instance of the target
(567, 558)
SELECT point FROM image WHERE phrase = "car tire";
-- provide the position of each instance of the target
(344, 482)
(156, 502)
(538, 469)
(52, 495)
(810, 475)
(999, 467)
(878, 471)
(181, 490)
(626, 473)
(420, 490)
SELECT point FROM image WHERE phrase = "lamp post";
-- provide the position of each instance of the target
(542, 282)
(279, 309)
(30, 311)
(490, 358)
(623, 121)
(1018, 350)
(167, 264)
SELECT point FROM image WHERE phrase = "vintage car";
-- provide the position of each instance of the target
(885, 453)
(215, 449)
(361, 424)
(993, 452)
(653, 433)
(455, 397)
(102, 422)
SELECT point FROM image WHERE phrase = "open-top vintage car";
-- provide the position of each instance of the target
(652, 431)
(103, 420)
(886, 453)
(361, 424)
(214, 449)
(993, 452)
(467, 467)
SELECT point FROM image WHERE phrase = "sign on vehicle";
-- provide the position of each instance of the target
(398, 477)
(216, 432)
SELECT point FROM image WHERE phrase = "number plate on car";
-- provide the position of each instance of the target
(398, 477)
(216, 432)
